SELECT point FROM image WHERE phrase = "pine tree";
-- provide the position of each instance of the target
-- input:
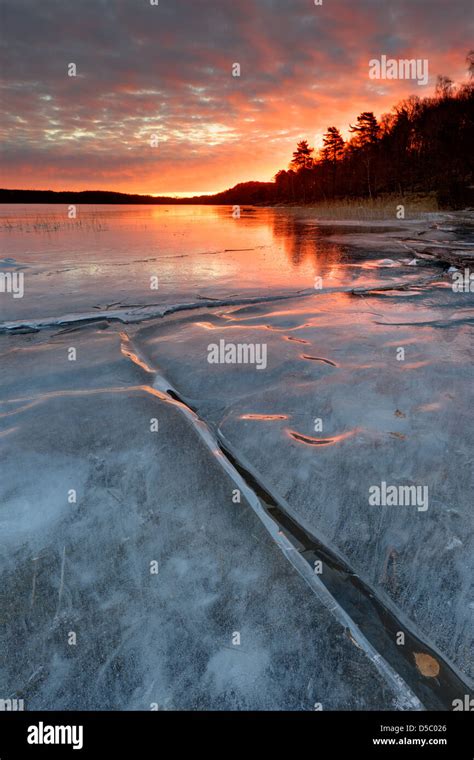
(332, 151)
(366, 130)
(302, 156)
(333, 145)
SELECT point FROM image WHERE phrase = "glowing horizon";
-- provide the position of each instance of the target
(148, 71)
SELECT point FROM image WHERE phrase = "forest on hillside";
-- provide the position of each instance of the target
(423, 145)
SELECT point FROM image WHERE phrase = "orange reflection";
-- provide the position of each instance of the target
(264, 417)
(310, 441)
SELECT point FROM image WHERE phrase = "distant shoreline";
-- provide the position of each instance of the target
(386, 202)
(246, 193)
(93, 197)
(260, 194)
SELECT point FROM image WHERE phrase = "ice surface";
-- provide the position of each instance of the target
(402, 422)
(167, 496)
(144, 497)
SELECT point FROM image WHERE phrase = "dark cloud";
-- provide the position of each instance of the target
(166, 70)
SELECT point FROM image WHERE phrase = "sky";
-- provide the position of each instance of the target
(154, 106)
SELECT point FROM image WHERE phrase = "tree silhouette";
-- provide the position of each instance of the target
(366, 136)
(332, 151)
(444, 86)
(302, 156)
(333, 145)
(470, 63)
(366, 130)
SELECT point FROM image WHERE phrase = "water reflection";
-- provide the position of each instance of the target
(111, 254)
(305, 241)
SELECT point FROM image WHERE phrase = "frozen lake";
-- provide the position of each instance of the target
(198, 534)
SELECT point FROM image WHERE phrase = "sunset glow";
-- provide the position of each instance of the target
(142, 72)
